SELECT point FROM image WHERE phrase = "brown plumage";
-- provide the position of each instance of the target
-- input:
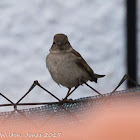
(66, 66)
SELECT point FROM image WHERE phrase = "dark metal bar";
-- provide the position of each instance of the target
(27, 104)
(131, 42)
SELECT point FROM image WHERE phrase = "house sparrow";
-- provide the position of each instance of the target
(66, 66)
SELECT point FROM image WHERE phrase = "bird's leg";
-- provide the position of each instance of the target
(93, 89)
(31, 88)
(69, 93)
(69, 89)
(125, 77)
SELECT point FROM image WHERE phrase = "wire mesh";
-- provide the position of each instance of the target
(71, 110)
(64, 110)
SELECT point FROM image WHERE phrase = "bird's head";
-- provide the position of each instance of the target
(60, 43)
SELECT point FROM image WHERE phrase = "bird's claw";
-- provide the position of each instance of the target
(65, 100)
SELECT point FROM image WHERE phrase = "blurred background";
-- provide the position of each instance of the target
(95, 28)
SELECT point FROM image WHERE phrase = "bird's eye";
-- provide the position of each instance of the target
(66, 42)
(53, 42)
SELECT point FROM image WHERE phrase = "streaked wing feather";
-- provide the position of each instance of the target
(83, 64)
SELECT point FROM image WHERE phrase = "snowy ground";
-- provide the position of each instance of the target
(95, 29)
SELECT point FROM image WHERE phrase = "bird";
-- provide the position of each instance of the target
(66, 66)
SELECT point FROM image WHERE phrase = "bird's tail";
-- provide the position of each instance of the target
(96, 76)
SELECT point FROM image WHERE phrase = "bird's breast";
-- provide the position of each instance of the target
(64, 70)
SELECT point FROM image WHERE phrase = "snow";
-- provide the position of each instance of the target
(95, 29)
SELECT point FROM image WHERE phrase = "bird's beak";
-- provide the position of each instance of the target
(59, 44)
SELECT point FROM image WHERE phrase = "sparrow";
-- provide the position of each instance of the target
(66, 65)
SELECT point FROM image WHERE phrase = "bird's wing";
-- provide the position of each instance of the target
(83, 64)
